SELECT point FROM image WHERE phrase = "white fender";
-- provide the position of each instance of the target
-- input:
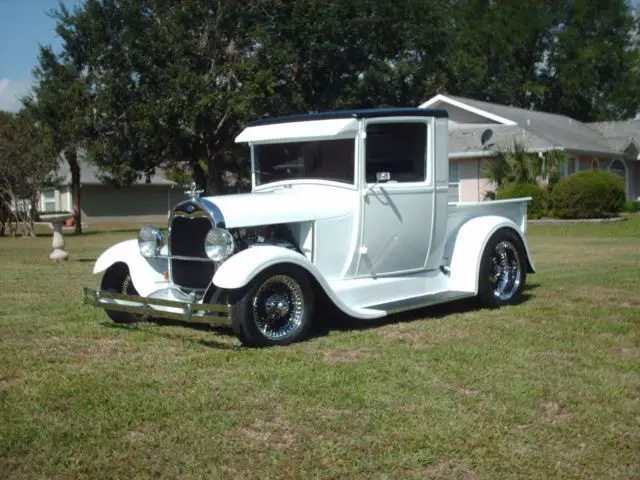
(469, 243)
(241, 268)
(146, 273)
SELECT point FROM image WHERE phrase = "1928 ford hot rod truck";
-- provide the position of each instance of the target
(349, 206)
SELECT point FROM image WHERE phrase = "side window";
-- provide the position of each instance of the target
(396, 148)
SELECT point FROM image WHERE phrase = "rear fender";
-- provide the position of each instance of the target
(466, 246)
(147, 274)
(244, 266)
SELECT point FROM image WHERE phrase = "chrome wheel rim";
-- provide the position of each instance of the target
(506, 273)
(278, 307)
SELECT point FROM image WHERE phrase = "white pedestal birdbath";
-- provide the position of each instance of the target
(57, 222)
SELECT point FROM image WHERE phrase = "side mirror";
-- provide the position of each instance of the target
(382, 177)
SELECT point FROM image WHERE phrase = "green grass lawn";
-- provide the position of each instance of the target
(548, 388)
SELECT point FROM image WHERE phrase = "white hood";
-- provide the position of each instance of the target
(298, 203)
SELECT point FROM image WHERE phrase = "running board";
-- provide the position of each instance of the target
(418, 302)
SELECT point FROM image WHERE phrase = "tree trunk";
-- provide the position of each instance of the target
(214, 180)
(33, 211)
(199, 176)
(74, 167)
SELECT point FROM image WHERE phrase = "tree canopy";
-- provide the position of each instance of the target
(148, 84)
(28, 161)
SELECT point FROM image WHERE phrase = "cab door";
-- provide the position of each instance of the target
(398, 196)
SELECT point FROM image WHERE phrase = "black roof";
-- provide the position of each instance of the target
(361, 113)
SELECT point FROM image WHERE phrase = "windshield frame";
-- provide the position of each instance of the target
(353, 185)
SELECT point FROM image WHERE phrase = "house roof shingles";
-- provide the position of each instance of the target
(467, 139)
(619, 134)
(557, 130)
(90, 173)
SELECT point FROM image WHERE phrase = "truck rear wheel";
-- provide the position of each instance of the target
(118, 280)
(275, 308)
(503, 269)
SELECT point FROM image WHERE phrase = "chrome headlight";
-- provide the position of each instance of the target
(150, 241)
(218, 244)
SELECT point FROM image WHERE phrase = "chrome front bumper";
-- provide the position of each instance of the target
(191, 312)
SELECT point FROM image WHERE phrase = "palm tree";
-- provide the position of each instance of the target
(514, 165)
(552, 162)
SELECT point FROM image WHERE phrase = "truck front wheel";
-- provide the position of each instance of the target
(118, 280)
(503, 269)
(275, 308)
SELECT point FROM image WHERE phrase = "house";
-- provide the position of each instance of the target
(477, 127)
(142, 202)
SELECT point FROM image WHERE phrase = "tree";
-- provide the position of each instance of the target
(165, 84)
(590, 73)
(497, 47)
(170, 80)
(62, 102)
(27, 163)
(321, 55)
(513, 165)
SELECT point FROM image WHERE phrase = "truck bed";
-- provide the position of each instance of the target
(514, 209)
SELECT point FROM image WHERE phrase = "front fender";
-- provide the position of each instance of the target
(468, 244)
(243, 267)
(146, 273)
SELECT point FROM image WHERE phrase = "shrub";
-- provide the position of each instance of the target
(632, 206)
(589, 194)
(537, 208)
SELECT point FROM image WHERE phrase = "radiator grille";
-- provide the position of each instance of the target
(187, 239)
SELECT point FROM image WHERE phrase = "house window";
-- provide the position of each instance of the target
(396, 148)
(569, 167)
(618, 168)
(595, 165)
(454, 172)
(49, 200)
(454, 181)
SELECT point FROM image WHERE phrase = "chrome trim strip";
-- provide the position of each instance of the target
(206, 208)
(218, 218)
(182, 257)
(210, 314)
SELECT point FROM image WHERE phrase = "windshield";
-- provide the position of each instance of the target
(322, 160)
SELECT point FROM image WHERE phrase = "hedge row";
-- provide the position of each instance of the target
(539, 204)
(586, 194)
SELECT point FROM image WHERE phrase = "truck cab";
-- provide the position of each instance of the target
(350, 206)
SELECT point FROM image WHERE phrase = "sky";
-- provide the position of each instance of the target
(24, 25)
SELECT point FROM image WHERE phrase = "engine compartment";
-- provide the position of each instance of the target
(279, 235)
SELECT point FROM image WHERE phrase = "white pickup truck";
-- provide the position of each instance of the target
(350, 206)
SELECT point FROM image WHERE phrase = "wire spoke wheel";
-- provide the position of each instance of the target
(278, 307)
(506, 270)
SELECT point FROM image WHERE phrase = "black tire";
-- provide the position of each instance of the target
(118, 280)
(257, 324)
(503, 270)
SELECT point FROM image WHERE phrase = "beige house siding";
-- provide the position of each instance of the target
(473, 183)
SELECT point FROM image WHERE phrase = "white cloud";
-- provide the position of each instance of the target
(11, 91)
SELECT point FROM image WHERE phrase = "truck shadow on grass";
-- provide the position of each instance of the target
(329, 319)
(334, 320)
(210, 342)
